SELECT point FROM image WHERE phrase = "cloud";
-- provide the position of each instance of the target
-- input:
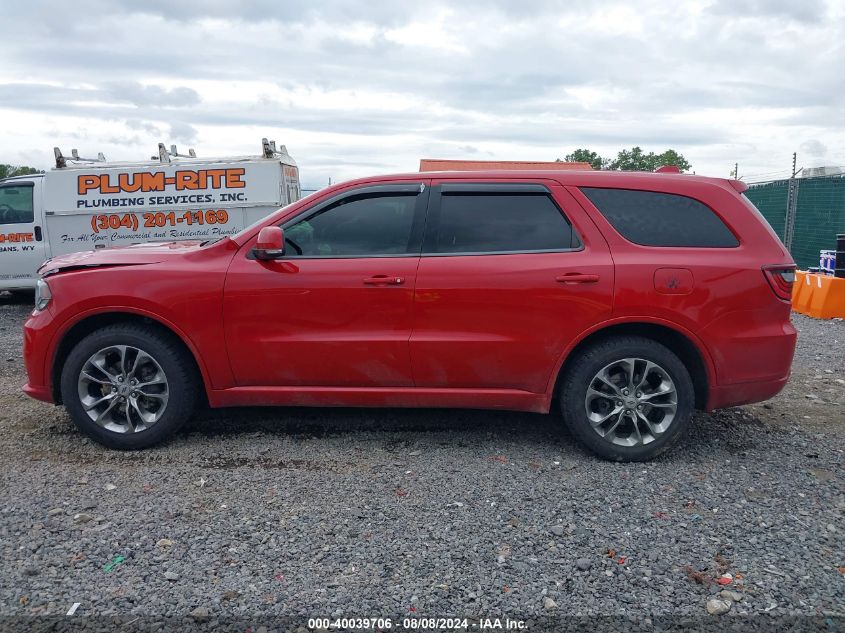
(804, 11)
(352, 89)
(814, 147)
(183, 133)
(151, 95)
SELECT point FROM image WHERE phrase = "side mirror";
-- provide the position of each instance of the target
(270, 244)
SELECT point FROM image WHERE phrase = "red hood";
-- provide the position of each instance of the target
(148, 253)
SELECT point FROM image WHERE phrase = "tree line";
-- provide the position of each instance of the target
(634, 159)
(7, 171)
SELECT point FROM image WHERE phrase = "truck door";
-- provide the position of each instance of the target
(21, 233)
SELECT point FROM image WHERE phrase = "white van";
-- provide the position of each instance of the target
(84, 204)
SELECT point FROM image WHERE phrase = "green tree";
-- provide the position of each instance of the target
(671, 157)
(586, 156)
(635, 159)
(7, 171)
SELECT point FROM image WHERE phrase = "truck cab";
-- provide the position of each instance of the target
(87, 204)
(22, 245)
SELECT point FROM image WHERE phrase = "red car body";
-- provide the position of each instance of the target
(463, 331)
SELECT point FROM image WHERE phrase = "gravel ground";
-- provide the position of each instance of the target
(309, 512)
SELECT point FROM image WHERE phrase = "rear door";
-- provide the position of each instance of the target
(21, 235)
(337, 310)
(510, 274)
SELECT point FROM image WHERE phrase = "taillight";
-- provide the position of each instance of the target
(780, 278)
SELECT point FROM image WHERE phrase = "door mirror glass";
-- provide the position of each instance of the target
(270, 244)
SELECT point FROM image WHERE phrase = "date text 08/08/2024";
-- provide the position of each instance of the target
(417, 623)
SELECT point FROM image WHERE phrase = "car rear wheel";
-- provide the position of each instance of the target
(627, 398)
(129, 386)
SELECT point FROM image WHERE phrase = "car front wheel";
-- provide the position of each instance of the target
(128, 386)
(627, 398)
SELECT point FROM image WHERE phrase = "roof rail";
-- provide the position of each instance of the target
(191, 153)
(164, 154)
(268, 149)
(61, 161)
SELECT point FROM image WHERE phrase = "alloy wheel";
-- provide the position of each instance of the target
(123, 389)
(631, 402)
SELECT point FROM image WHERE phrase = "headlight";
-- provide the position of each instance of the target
(42, 295)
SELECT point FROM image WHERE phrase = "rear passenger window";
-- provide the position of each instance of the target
(661, 219)
(499, 223)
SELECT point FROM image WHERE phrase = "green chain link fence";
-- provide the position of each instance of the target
(819, 216)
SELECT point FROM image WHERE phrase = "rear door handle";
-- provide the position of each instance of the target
(384, 280)
(577, 278)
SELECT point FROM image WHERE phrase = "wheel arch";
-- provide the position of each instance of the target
(683, 343)
(93, 321)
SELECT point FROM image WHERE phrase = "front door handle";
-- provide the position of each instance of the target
(384, 280)
(577, 278)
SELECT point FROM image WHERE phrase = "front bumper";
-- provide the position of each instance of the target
(43, 393)
(37, 338)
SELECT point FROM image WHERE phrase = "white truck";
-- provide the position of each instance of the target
(84, 204)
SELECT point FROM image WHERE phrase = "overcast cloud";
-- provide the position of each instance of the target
(356, 88)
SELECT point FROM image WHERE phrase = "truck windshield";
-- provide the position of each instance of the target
(16, 204)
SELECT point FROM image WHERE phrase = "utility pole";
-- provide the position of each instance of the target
(736, 171)
(791, 205)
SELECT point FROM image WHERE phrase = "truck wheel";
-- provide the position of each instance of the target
(627, 398)
(23, 296)
(129, 386)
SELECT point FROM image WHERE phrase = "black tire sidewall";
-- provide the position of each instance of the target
(182, 386)
(590, 362)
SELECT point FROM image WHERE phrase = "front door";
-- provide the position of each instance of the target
(21, 236)
(510, 274)
(337, 310)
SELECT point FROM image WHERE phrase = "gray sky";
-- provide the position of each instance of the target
(359, 88)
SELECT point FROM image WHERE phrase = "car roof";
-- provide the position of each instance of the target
(582, 178)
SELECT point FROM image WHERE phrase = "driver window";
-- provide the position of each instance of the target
(359, 226)
(16, 205)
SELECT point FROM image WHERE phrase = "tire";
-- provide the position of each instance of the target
(163, 400)
(22, 296)
(598, 382)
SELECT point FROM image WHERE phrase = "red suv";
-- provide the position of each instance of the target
(625, 299)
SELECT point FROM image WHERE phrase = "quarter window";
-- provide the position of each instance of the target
(16, 205)
(661, 219)
(499, 223)
(356, 227)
